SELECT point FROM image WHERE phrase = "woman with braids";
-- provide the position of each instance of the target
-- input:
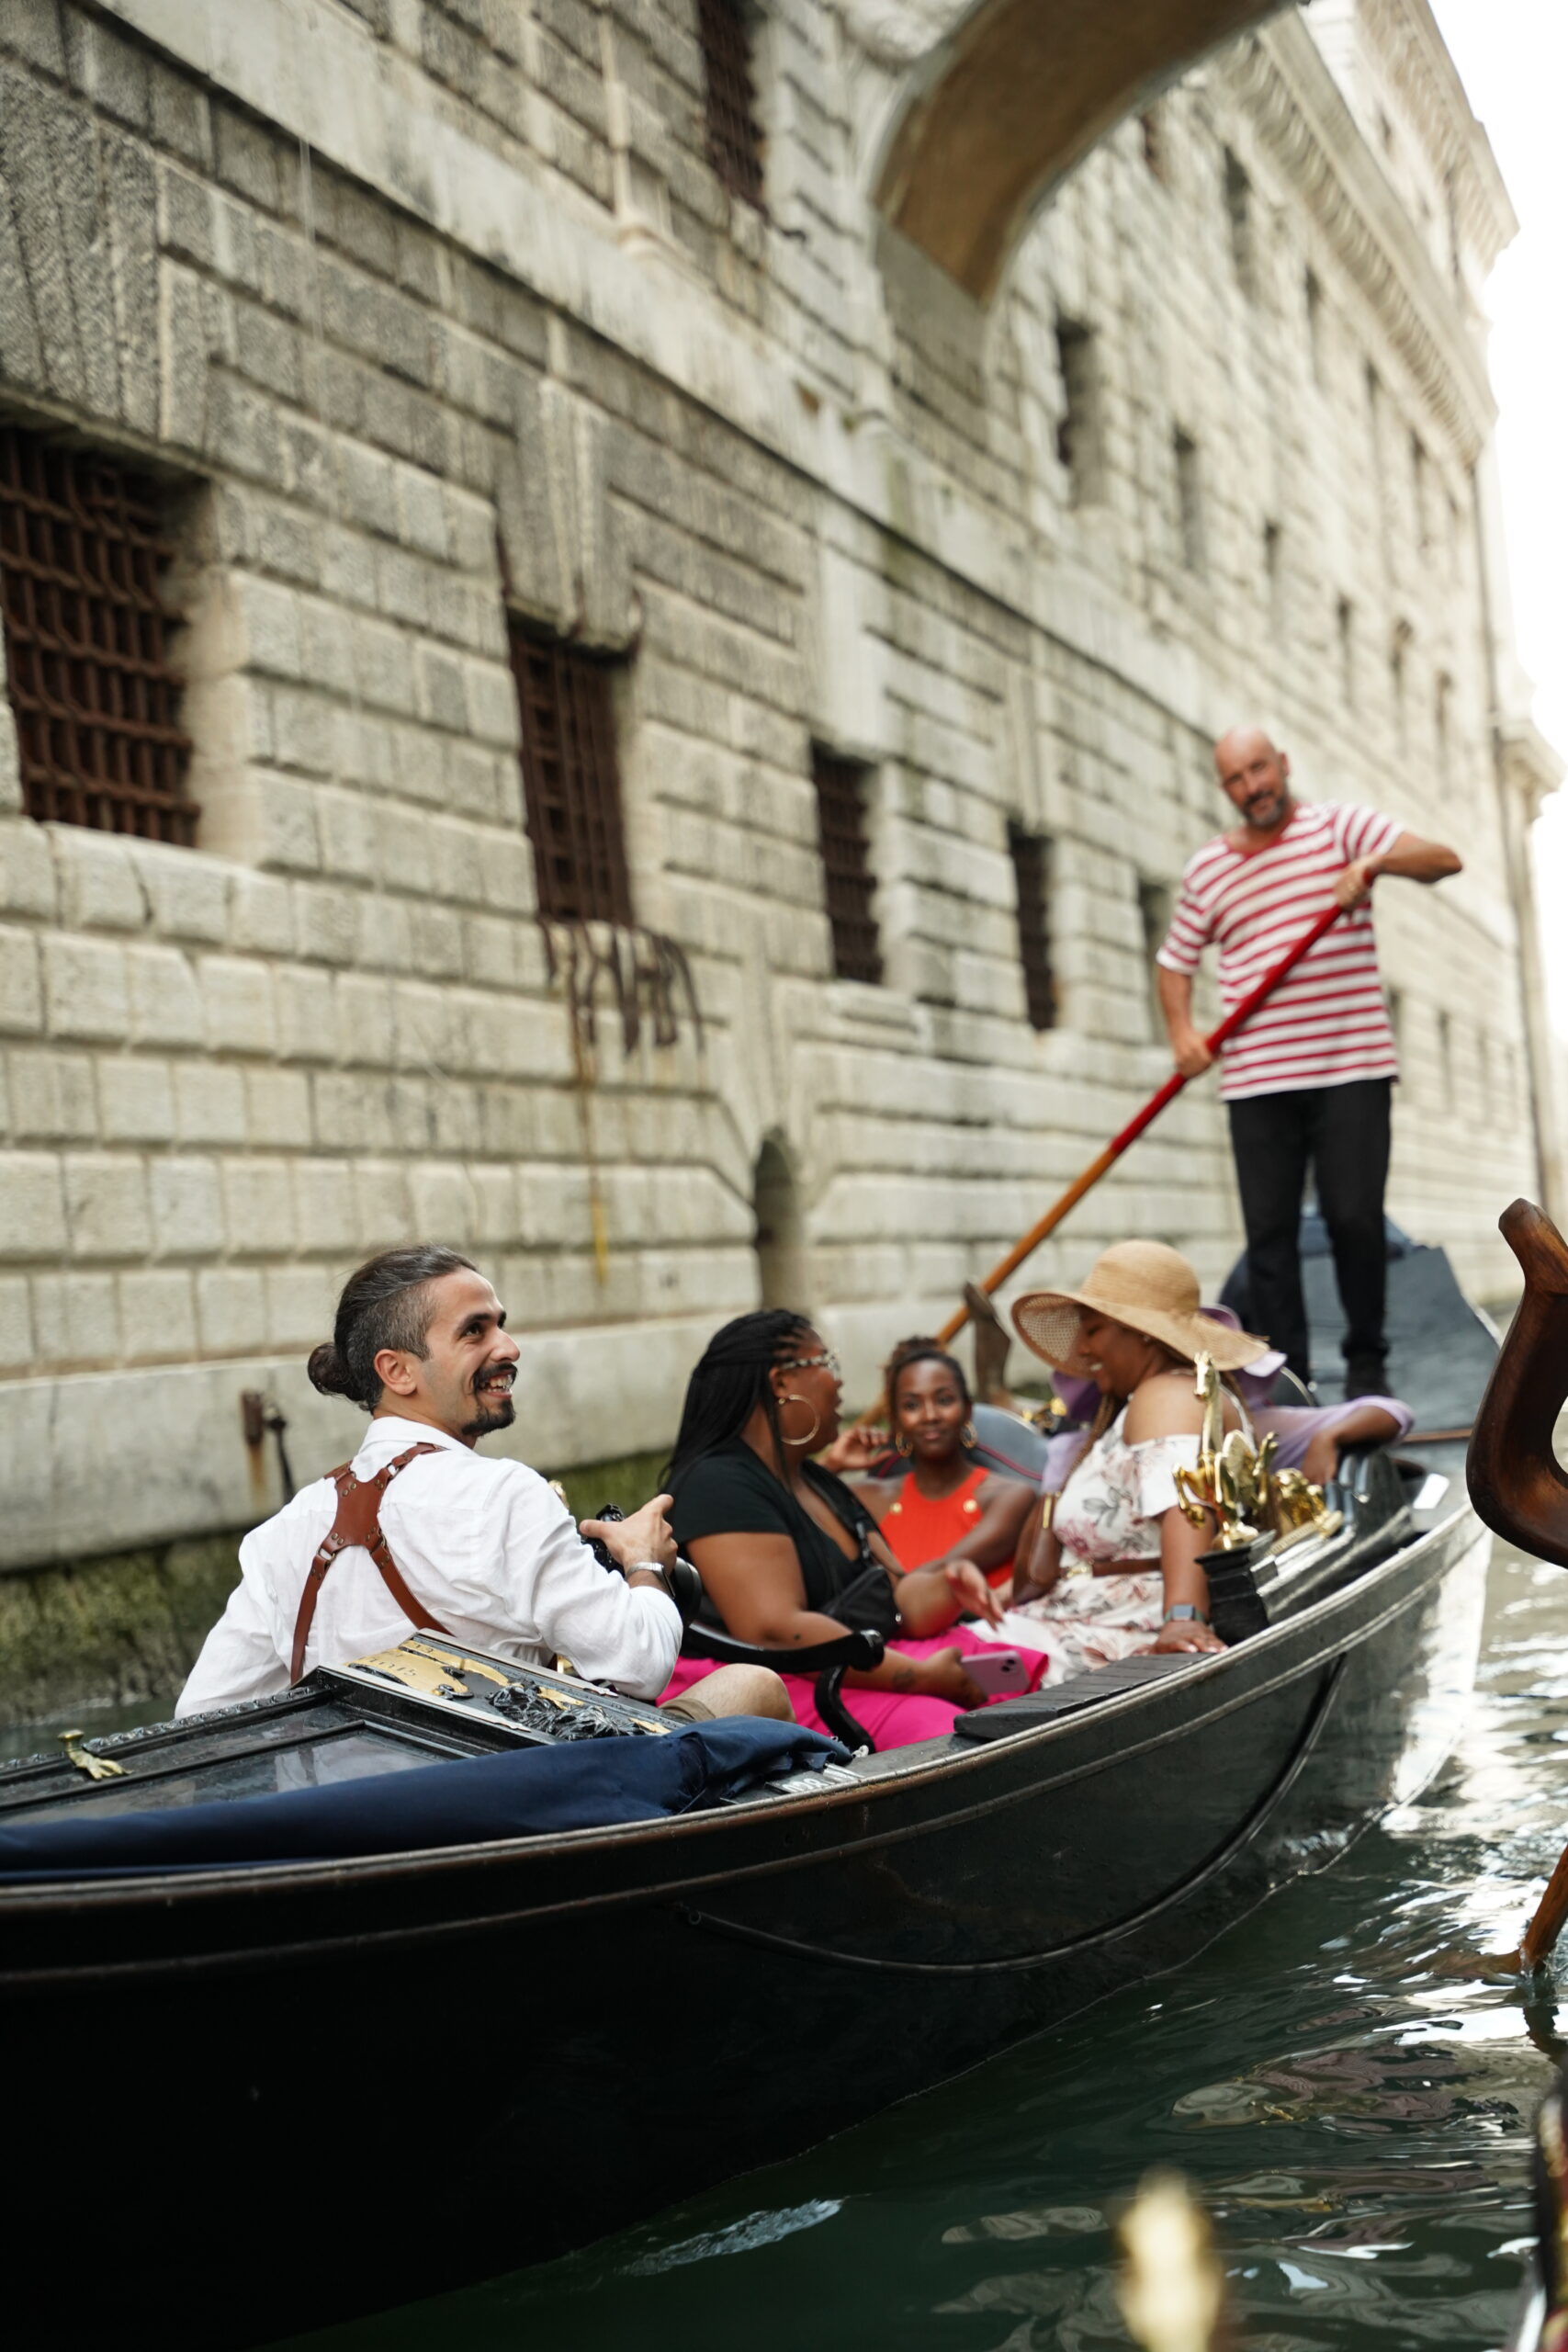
(948, 1506)
(788, 1555)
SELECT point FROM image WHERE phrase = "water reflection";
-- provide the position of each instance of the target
(1354, 2114)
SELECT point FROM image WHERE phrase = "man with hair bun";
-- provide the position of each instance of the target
(420, 1530)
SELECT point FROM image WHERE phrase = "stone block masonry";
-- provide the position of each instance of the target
(422, 315)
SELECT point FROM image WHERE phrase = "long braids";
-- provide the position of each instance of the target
(730, 1381)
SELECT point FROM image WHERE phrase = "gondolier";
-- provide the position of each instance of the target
(1308, 1082)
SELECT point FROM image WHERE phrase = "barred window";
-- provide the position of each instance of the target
(1189, 502)
(1079, 435)
(846, 865)
(81, 557)
(1031, 874)
(734, 138)
(571, 784)
(1239, 212)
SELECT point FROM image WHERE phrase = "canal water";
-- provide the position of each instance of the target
(1354, 2115)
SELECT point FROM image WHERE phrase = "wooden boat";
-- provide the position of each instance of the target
(291, 2093)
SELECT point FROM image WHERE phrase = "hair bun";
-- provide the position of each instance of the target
(328, 1372)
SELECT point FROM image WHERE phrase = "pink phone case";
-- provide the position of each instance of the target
(996, 1671)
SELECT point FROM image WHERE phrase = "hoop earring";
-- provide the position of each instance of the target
(816, 1418)
(904, 1444)
(966, 1437)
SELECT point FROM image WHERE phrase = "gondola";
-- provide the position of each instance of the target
(361, 2078)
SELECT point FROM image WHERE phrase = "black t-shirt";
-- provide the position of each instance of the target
(731, 1491)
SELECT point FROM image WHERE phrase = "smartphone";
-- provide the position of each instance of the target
(999, 1673)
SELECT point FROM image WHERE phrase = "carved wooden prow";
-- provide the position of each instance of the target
(1516, 1482)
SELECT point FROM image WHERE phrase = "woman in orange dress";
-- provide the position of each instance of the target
(948, 1506)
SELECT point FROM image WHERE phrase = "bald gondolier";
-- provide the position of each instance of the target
(1308, 1082)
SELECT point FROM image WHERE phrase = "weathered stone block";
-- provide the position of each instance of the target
(258, 1207)
(443, 1202)
(238, 999)
(75, 1318)
(84, 986)
(299, 1303)
(277, 1107)
(209, 1103)
(52, 1097)
(106, 1206)
(17, 1349)
(27, 870)
(157, 1317)
(187, 1217)
(325, 922)
(325, 1214)
(136, 1099)
(365, 1020)
(165, 1004)
(186, 894)
(307, 1015)
(260, 914)
(382, 1214)
(231, 1306)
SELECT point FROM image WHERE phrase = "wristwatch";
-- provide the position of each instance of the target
(1185, 1609)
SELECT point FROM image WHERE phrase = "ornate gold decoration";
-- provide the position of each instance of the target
(97, 1768)
(1236, 1485)
(1230, 1480)
(1301, 1509)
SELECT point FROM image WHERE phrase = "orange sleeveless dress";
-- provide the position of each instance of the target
(918, 1529)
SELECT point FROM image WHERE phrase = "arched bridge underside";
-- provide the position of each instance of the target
(1010, 100)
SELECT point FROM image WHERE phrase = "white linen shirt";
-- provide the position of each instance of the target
(488, 1548)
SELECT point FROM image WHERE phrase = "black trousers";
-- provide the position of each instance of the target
(1342, 1134)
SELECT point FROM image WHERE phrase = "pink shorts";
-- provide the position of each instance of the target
(894, 1718)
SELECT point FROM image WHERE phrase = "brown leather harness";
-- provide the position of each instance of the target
(358, 1521)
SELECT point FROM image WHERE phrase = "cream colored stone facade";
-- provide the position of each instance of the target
(374, 280)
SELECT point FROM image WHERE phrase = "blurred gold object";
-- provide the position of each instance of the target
(1301, 1509)
(1171, 2289)
(97, 1768)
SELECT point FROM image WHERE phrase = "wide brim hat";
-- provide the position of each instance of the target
(1152, 1289)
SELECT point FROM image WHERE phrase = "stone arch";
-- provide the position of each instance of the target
(1001, 107)
(783, 1261)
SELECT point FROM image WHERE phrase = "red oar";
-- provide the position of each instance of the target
(1134, 1127)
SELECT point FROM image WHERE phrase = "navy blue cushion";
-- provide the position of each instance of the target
(539, 1791)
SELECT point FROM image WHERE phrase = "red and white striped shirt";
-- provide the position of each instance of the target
(1327, 1022)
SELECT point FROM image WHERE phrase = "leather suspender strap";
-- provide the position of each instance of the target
(358, 1521)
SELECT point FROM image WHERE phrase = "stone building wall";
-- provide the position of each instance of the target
(423, 312)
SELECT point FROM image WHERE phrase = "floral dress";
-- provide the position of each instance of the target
(1109, 1509)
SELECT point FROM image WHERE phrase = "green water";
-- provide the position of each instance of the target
(1354, 2118)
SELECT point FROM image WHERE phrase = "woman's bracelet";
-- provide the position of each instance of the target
(1185, 1611)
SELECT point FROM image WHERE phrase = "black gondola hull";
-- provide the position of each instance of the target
(350, 2085)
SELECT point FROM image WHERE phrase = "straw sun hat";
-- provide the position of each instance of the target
(1145, 1286)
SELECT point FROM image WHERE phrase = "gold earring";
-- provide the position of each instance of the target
(904, 1443)
(966, 1437)
(816, 1419)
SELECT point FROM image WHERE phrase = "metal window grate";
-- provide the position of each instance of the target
(571, 785)
(96, 704)
(1031, 872)
(734, 139)
(846, 866)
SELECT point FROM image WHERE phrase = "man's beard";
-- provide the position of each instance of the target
(495, 1411)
